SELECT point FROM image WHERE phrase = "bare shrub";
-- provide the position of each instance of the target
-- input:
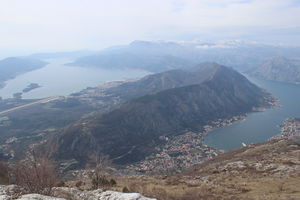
(4, 173)
(135, 187)
(113, 182)
(78, 184)
(60, 184)
(37, 174)
(125, 190)
(100, 164)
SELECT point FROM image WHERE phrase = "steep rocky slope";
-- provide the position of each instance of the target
(64, 193)
(20, 129)
(279, 69)
(132, 131)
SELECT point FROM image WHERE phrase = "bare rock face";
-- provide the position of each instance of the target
(99, 194)
(112, 195)
(4, 197)
(38, 197)
(10, 190)
(64, 193)
(72, 193)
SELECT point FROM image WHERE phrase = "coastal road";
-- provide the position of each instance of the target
(29, 104)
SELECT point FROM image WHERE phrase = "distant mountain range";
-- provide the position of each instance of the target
(153, 63)
(13, 66)
(164, 104)
(159, 56)
(165, 55)
(55, 55)
(279, 69)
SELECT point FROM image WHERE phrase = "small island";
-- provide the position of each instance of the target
(30, 87)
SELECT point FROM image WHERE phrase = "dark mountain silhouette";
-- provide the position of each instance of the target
(177, 101)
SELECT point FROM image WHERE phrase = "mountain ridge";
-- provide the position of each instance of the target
(136, 125)
(158, 56)
(278, 69)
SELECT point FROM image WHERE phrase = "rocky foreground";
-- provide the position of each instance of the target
(65, 193)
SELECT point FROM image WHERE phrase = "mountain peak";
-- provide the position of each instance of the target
(163, 104)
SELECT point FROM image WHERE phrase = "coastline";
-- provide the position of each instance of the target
(223, 122)
(271, 103)
(290, 130)
(181, 152)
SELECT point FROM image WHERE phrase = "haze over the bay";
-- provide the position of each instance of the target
(63, 25)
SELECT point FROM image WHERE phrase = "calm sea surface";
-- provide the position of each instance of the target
(258, 127)
(57, 79)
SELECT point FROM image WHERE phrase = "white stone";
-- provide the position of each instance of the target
(38, 197)
(63, 193)
(10, 189)
(2, 190)
(112, 195)
(258, 166)
(4, 197)
(235, 165)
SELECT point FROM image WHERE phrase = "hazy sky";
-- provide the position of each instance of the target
(94, 24)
